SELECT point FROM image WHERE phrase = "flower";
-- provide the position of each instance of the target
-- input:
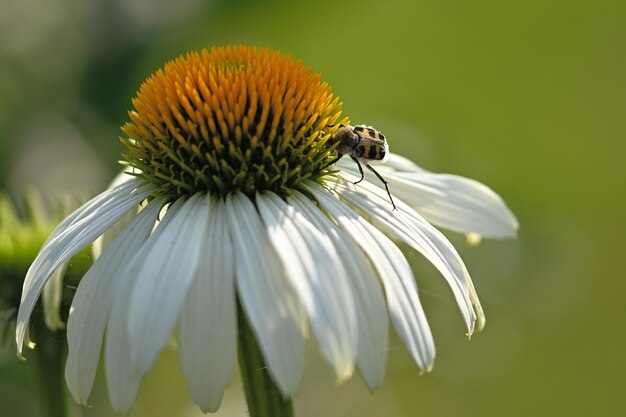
(232, 201)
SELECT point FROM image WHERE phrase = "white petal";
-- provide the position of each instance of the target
(403, 188)
(407, 225)
(371, 311)
(73, 234)
(478, 308)
(392, 160)
(395, 273)
(268, 299)
(465, 206)
(123, 379)
(103, 198)
(51, 299)
(103, 242)
(170, 263)
(450, 201)
(100, 244)
(208, 326)
(318, 276)
(93, 299)
(123, 177)
(401, 163)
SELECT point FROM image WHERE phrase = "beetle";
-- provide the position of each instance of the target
(363, 144)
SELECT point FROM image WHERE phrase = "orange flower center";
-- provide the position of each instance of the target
(232, 118)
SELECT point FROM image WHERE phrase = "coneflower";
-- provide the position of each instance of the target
(234, 217)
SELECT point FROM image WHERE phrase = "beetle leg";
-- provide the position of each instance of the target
(360, 168)
(333, 161)
(384, 181)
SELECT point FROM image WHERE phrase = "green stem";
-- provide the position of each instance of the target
(49, 359)
(263, 397)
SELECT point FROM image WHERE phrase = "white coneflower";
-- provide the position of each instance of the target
(233, 143)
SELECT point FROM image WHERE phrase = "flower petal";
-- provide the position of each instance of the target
(93, 299)
(74, 233)
(319, 278)
(100, 244)
(268, 299)
(123, 379)
(51, 298)
(86, 209)
(208, 326)
(170, 264)
(401, 163)
(392, 160)
(407, 225)
(449, 201)
(465, 206)
(371, 311)
(395, 273)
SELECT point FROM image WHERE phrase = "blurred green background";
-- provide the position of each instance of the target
(528, 97)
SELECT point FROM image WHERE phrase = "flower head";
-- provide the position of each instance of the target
(231, 119)
(231, 162)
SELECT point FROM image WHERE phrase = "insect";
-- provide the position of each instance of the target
(363, 144)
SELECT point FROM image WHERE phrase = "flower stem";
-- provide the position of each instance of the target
(263, 397)
(49, 358)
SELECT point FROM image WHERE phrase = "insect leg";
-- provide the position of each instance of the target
(384, 181)
(360, 168)
(333, 161)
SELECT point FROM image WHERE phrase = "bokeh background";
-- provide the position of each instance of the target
(528, 97)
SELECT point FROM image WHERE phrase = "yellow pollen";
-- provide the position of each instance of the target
(231, 118)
